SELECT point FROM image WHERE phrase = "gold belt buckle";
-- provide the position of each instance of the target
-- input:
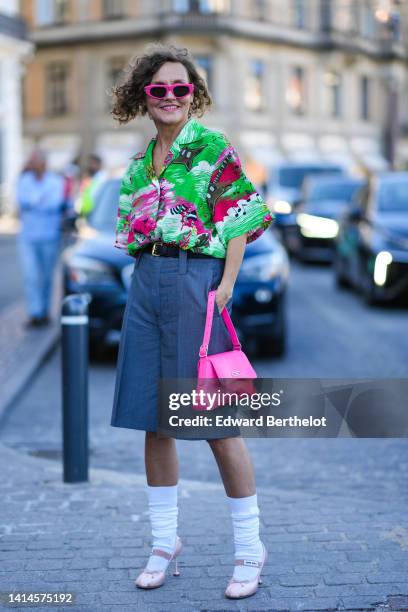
(154, 249)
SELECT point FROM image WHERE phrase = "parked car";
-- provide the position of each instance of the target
(95, 267)
(312, 236)
(286, 180)
(371, 252)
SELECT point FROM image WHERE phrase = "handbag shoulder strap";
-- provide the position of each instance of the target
(208, 326)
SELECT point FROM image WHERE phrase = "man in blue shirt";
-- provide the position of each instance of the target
(40, 199)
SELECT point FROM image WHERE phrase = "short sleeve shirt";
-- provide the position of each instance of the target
(200, 200)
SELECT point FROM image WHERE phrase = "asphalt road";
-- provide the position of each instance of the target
(331, 334)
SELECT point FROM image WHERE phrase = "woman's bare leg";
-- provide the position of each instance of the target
(161, 461)
(162, 475)
(236, 469)
(235, 466)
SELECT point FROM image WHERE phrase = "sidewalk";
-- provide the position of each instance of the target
(326, 552)
(23, 350)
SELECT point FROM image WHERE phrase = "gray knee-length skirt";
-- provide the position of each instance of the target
(162, 331)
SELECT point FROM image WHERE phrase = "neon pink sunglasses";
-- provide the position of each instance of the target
(179, 90)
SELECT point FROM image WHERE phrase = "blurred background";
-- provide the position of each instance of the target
(313, 93)
(318, 78)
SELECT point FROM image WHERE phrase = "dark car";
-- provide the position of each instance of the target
(95, 267)
(284, 190)
(325, 198)
(371, 251)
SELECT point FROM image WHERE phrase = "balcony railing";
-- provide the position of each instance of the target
(327, 18)
(320, 23)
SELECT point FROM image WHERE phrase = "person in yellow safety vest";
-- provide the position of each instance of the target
(89, 185)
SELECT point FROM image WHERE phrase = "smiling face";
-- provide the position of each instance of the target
(170, 110)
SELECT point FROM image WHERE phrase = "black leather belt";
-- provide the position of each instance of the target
(162, 249)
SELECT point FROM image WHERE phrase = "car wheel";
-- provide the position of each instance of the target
(66, 290)
(368, 291)
(367, 288)
(250, 346)
(339, 276)
(275, 346)
(99, 351)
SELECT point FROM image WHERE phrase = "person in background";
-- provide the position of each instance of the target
(71, 174)
(95, 176)
(40, 201)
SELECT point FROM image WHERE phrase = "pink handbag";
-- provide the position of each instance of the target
(229, 371)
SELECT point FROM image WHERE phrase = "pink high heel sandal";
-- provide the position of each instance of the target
(151, 579)
(237, 589)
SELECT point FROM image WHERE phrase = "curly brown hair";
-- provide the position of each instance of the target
(130, 98)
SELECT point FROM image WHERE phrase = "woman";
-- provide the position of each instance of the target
(186, 212)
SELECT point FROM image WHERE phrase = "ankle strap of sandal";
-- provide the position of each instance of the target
(161, 553)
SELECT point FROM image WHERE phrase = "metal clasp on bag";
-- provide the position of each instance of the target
(205, 348)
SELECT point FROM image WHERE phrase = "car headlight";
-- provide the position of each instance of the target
(312, 226)
(86, 271)
(382, 261)
(265, 267)
(280, 206)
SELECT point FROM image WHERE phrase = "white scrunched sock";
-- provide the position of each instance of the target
(247, 544)
(163, 511)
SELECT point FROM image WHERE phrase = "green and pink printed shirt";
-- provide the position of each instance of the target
(200, 200)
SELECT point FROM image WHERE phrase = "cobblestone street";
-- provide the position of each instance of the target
(333, 511)
(340, 552)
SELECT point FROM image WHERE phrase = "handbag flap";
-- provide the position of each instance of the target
(232, 364)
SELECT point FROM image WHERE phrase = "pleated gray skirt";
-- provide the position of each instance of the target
(162, 331)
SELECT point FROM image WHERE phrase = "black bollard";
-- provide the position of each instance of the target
(74, 322)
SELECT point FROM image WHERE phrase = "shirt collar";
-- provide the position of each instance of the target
(190, 132)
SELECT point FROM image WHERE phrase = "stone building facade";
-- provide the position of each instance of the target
(290, 79)
(13, 48)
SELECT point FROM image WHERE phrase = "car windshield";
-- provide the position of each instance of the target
(340, 191)
(104, 213)
(293, 176)
(393, 196)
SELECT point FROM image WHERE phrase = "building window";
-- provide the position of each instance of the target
(395, 26)
(115, 75)
(50, 12)
(260, 9)
(296, 91)
(201, 6)
(254, 99)
(345, 16)
(325, 15)
(57, 89)
(332, 80)
(205, 66)
(367, 19)
(112, 9)
(299, 13)
(181, 6)
(365, 98)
